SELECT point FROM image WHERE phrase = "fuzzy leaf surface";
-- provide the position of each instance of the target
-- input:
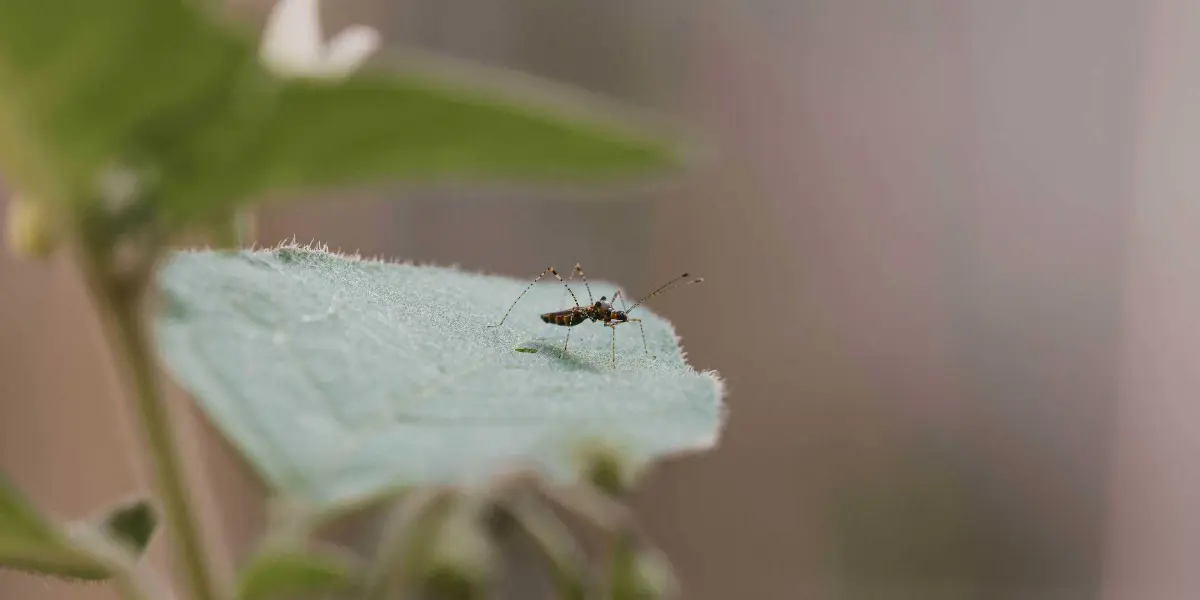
(340, 379)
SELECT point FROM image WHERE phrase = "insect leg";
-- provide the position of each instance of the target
(530, 286)
(645, 345)
(614, 343)
(579, 271)
(566, 341)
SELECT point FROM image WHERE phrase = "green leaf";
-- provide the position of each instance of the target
(30, 542)
(87, 84)
(405, 127)
(424, 125)
(640, 573)
(163, 91)
(284, 572)
(341, 379)
(132, 524)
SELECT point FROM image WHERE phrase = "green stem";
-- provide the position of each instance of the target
(121, 300)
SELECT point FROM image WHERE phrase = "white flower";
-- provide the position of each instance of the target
(292, 45)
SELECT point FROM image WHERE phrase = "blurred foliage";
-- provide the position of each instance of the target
(128, 124)
(164, 93)
(32, 542)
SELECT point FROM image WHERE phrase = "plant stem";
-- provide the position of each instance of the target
(121, 300)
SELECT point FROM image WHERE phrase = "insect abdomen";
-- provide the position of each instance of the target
(565, 318)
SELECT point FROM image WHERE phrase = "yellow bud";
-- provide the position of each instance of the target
(30, 229)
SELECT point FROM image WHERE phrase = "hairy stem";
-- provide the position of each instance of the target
(120, 299)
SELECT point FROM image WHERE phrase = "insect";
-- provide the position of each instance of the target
(600, 311)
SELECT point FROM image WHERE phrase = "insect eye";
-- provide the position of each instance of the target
(599, 305)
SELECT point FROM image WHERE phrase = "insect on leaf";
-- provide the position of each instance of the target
(340, 379)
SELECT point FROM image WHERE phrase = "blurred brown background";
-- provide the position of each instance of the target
(950, 250)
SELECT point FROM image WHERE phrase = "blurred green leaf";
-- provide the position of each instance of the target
(132, 524)
(87, 84)
(285, 572)
(640, 573)
(458, 562)
(341, 379)
(408, 128)
(30, 542)
(417, 127)
(159, 89)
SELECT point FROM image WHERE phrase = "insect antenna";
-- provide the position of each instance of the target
(664, 288)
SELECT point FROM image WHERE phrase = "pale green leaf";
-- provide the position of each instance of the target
(341, 379)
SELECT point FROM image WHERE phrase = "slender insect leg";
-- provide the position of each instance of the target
(614, 343)
(633, 320)
(566, 341)
(530, 286)
(579, 271)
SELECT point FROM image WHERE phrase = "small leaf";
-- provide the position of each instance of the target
(30, 542)
(132, 524)
(340, 378)
(285, 572)
(640, 573)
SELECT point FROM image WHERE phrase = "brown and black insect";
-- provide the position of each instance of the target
(600, 311)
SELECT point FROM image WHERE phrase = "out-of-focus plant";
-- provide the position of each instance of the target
(128, 124)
